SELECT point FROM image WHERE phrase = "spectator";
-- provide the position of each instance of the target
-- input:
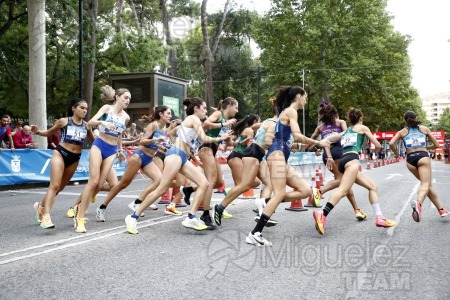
(23, 139)
(5, 132)
(53, 140)
(131, 132)
(18, 127)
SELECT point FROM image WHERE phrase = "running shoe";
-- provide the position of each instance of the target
(171, 210)
(131, 224)
(257, 239)
(269, 223)
(360, 215)
(194, 223)
(226, 191)
(321, 220)
(80, 225)
(186, 194)
(381, 221)
(444, 212)
(316, 197)
(93, 199)
(218, 215)
(47, 222)
(39, 212)
(260, 203)
(226, 215)
(100, 216)
(417, 210)
(133, 206)
(70, 212)
(152, 207)
(208, 221)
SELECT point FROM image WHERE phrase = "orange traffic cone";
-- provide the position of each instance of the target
(165, 198)
(248, 194)
(368, 165)
(319, 176)
(296, 205)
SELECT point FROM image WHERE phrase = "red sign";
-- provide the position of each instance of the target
(384, 135)
(439, 135)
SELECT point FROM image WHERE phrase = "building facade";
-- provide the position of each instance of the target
(435, 105)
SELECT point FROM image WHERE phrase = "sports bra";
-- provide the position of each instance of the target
(217, 131)
(187, 135)
(116, 120)
(158, 133)
(261, 133)
(73, 133)
(352, 141)
(414, 139)
(330, 130)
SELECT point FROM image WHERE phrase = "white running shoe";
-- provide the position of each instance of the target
(100, 216)
(257, 239)
(131, 224)
(260, 203)
(133, 206)
(194, 223)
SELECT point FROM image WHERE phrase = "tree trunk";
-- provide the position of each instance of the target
(209, 59)
(37, 68)
(90, 65)
(172, 51)
(119, 31)
(209, 55)
(135, 16)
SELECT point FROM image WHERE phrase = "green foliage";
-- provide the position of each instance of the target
(444, 121)
(350, 53)
(348, 50)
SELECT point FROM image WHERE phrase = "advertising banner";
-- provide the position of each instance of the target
(304, 158)
(30, 165)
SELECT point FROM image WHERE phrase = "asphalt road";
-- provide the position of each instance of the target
(354, 260)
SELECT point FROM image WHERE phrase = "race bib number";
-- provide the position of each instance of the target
(349, 139)
(76, 133)
(416, 141)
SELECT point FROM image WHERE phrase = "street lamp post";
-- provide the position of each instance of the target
(80, 47)
(303, 87)
(259, 89)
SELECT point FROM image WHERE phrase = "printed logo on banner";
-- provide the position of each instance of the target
(15, 163)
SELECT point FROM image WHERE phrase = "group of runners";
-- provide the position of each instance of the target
(261, 148)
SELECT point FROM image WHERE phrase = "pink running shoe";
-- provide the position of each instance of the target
(417, 210)
(443, 212)
(321, 220)
(381, 221)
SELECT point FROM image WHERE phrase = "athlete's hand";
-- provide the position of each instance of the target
(121, 156)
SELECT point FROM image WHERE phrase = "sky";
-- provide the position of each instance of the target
(428, 24)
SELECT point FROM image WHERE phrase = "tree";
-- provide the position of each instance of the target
(209, 53)
(444, 121)
(350, 52)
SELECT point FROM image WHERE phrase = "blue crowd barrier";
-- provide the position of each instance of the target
(32, 165)
(304, 158)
